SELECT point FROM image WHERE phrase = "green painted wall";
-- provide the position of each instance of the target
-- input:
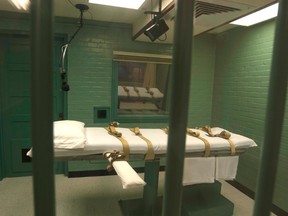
(90, 65)
(90, 68)
(242, 71)
(242, 64)
(90, 74)
(202, 79)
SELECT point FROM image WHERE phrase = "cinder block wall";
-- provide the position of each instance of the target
(90, 64)
(202, 79)
(242, 67)
(90, 69)
(89, 61)
(242, 72)
(90, 74)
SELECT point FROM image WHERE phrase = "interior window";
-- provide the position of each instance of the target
(142, 88)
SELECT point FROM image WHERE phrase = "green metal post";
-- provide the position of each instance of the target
(150, 190)
(274, 115)
(42, 107)
(182, 58)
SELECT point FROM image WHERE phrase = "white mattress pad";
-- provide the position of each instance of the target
(98, 140)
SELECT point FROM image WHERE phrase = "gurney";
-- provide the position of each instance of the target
(78, 142)
(207, 149)
(74, 141)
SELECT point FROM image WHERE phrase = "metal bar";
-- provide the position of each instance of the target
(160, 6)
(150, 190)
(182, 56)
(42, 107)
(274, 115)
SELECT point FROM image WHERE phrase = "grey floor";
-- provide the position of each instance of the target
(91, 196)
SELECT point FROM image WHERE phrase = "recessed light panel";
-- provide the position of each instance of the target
(20, 4)
(131, 4)
(259, 16)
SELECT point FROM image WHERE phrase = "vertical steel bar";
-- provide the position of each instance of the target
(42, 107)
(274, 115)
(182, 61)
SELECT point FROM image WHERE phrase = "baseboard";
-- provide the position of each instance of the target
(275, 209)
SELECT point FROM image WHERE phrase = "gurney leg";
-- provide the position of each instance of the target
(151, 188)
(150, 204)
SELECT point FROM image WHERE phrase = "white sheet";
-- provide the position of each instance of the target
(226, 167)
(98, 141)
(140, 93)
(199, 170)
(143, 93)
(156, 93)
(122, 92)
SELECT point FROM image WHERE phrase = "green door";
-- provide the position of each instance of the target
(16, 103)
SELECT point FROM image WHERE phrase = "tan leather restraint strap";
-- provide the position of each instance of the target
(150, 92)
(113, 156)
(206, 129)
(224, 134)
(165, 130)
(137, 91)
(112, 131)
(197, 135)
(126, 90)
(150, 152)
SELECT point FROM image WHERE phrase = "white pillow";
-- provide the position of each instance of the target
(69, 134)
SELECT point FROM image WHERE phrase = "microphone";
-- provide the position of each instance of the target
(65, 86)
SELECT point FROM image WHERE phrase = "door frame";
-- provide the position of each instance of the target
(62, 168)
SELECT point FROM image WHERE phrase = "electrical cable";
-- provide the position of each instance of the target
(71, 3)
(164, 39)
(65, 86)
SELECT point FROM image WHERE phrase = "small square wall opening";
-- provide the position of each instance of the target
(25, 158)
(101, 114)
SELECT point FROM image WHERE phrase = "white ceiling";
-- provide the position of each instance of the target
(205, 23)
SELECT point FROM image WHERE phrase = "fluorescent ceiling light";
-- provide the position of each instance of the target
(259, 16)
(20, 4)
(131, 4)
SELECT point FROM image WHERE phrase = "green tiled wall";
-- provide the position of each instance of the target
(202, 78)
(90, 67)
(90, 64)
(90, 73)
(243, 61)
